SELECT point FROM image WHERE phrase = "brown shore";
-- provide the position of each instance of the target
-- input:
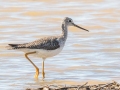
(90, 85)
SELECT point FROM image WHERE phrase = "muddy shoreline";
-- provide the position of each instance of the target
(86, 86)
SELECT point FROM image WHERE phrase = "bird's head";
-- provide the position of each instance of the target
(69, 22)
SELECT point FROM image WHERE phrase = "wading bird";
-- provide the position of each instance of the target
(47, 46)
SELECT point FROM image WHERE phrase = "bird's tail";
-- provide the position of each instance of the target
(12, 46)
(15, 46)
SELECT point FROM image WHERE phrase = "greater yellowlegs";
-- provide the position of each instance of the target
(47, 46)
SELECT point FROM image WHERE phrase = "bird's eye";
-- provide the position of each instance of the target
(69, 20)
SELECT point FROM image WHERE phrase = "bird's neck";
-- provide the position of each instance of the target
(64, 31)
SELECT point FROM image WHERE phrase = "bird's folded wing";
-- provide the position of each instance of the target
(47, 44)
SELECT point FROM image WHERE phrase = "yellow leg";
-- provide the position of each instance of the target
(43, 73)
(37, 69)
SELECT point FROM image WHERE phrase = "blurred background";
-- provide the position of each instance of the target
(93, 55)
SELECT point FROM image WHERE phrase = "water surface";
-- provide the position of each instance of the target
(93, 55)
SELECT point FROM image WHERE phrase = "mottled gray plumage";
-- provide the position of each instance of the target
(45, 43)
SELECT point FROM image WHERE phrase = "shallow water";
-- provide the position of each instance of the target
(93, 55)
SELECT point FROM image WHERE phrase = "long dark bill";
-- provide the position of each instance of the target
(80, 27)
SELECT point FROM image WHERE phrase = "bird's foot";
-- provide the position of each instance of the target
(37, 73)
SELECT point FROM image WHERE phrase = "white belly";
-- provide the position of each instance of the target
(44, 53)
